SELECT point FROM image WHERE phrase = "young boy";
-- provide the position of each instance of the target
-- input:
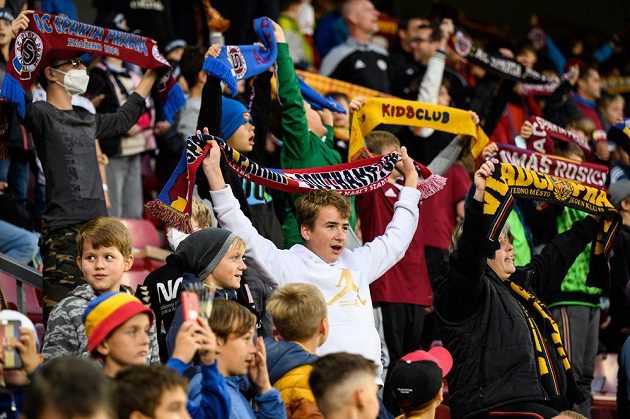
(151, 392)
(344, 386)
(299, 315)
(417, 382)
(342, 275)
(117, 327)
(238, 356)
(213, 256)
(104, 249)
(156, 391)
(15, 382)
(69, 388)
(64, 136)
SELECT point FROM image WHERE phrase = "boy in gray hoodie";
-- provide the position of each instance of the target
(104, 253)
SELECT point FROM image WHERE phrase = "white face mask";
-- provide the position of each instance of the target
(75, 81)
(175, 237)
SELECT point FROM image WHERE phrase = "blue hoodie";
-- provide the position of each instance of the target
(214, 400)
(270, 405)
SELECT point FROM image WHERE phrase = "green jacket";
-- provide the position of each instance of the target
(573, 290)
(302, 148)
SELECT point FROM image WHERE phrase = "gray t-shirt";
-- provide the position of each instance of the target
(65, 146)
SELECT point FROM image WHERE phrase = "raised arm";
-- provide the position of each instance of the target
(262, 253)
(297, 142)
(386, 250)
(461, 295)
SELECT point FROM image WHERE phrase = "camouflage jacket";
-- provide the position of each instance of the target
(65, 334)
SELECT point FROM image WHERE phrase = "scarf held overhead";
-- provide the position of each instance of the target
(174, 202)
(544, 132)
(238, 62)
(496, 63)
(414, 114)
(590, 174)
(49, 38)
(508, 181)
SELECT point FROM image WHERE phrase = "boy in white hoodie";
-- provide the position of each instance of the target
(342, 275)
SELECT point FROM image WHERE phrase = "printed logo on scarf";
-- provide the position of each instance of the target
(236, 59)
(28, 52)
(462, 44)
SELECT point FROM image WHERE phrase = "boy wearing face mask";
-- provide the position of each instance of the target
(64, 136)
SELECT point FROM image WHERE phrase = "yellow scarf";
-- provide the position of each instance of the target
(414, 114)
(510, 181)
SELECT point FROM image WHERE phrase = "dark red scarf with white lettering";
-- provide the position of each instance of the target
(590, 174)
(49, 38)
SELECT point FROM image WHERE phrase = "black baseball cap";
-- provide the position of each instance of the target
(417, 377)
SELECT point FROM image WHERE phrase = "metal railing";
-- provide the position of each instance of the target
(23, 275)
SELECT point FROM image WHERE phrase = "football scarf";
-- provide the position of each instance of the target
(544, 132)
(589, 174)
(616, 84)
(496, 63)
(414, 114)
(534, 309)
(509, 181)
(317, 101)
(49, 38)
(174, 202)
(327, 85)
(236, 62)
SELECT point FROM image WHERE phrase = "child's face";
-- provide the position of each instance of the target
(172, 405)
(229, 271)
(5, 32)
(103, 267)
(613, 113)
(327, 237)
(129, 343)
(243, 138)
(371, 404)
(236, 354)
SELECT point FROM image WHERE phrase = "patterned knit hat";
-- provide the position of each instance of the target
(107, 312)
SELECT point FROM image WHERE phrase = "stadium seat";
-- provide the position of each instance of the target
(134, 278)
(604, 391)
(143, 234)
(33, 307)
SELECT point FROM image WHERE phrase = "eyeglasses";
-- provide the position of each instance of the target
(76, 62)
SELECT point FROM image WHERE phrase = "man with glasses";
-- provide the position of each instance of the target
(65, 139)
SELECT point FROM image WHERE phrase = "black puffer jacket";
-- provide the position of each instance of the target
(486, 328)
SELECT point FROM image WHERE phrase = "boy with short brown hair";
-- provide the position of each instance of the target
(299, 314)
(238, 356)
(104, 249)
(345, 386)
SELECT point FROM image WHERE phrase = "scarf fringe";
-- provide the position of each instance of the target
(170, 216)
(12, 90)
(430, 186)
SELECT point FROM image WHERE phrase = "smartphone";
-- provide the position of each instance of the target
(9, 335)
(190, 305)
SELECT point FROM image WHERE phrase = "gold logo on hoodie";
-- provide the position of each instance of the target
(349, 286)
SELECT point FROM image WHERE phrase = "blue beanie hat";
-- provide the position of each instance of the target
(232, 116)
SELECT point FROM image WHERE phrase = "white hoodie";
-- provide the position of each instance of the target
(344, 283)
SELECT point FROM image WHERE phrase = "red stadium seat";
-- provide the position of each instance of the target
(33, 307)
(134, 278)
(143, 234)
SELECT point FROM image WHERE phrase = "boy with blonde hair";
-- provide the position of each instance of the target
(300, 316)
(104, 254)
